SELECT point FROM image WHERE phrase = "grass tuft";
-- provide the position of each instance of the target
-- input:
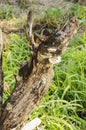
(17, 52)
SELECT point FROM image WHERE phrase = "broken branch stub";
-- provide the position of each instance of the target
(35, 76)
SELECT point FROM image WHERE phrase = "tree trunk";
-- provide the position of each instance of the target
(35, 76)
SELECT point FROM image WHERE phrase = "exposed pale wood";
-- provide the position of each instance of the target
(32, 124)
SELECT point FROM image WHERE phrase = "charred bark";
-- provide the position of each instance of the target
(35, 76)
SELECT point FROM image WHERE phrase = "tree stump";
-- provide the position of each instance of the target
(35, 76)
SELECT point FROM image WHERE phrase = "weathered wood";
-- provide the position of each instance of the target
(27, 94)
(35, 76)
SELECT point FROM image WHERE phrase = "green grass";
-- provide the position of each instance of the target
(6, 12)
(65, 102)
(67, 94)
(17, 52)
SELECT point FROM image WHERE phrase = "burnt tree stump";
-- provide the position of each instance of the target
(35, 76)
